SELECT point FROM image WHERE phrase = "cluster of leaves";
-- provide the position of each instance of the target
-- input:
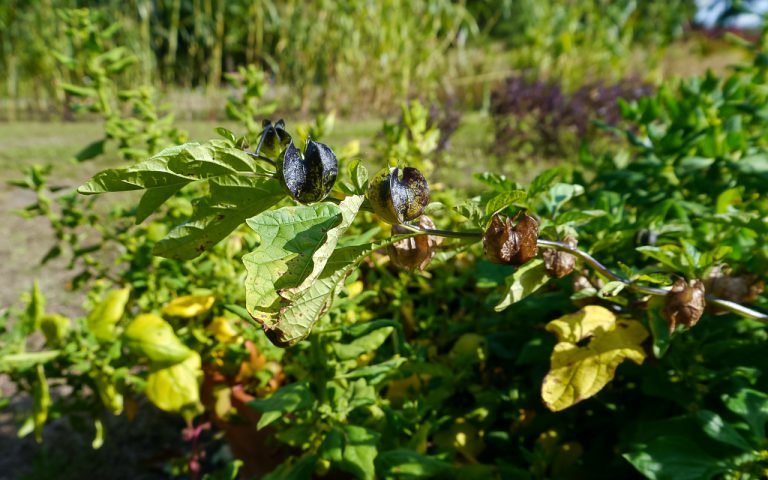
(539, 115)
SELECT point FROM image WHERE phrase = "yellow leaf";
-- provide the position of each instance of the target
(355, 288)
(222, 329)
(177, 388)
(189, 306)
(591, 344)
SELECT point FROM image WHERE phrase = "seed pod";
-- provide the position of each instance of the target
(737, 288)
(274, 139)
(309, 179)
(511, 245)
(413, 252)
(557, 263)
(398, 200)
(684, 303)
(528, 229)
(500, 241)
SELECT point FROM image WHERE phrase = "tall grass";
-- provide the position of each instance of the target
(365, 54)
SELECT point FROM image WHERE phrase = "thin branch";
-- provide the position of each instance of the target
(259, 156)
(734, 307)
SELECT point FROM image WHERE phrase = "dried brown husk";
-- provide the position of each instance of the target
(736, 288)
(413, 252)
(501, 242)
(557, 263)
(528, 230)
(511, 244)
(684, 303)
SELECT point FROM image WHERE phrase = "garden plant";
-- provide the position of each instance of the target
(327, 314)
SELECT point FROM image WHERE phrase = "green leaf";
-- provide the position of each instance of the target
(92, 150)
(409, 464)
(176, 388)
(561, 193)
(34, 312)
(366, 343)
(689, 165)
(752, 406)
(611, 289)
(717, 429)
(360, 449)
(526, 280)
(296, 262)
(23, 361)
(227, 134)
(152, 199)
(358, 174)
(543, 181)
(503, 200)
(103, 319)
(677, 449)
(232, 199)
(292, 469)
(285, 400)
(288, 239)
(78, 91)
(295, 321)
(98, 437)
(378, 372)
(578, 218)
(660, 331)
(177, 165)
(151, 336)
(349, 208)
(41, 402)
(754, 165)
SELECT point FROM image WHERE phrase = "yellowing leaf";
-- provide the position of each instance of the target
(222, 329)
(108, 393)
(177, 388)
(591, 344)
(189, 306)
(102, 320)
(153, 337)
(41, 401)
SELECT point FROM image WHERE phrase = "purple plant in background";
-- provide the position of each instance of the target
(540, 111)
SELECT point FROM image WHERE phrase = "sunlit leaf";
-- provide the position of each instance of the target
(578, 370)
(103, 319)
(231, 200)
(189, 306)
(526, 280)
(177, 165)
(176, 388)
(292, 274)
(154, 338)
